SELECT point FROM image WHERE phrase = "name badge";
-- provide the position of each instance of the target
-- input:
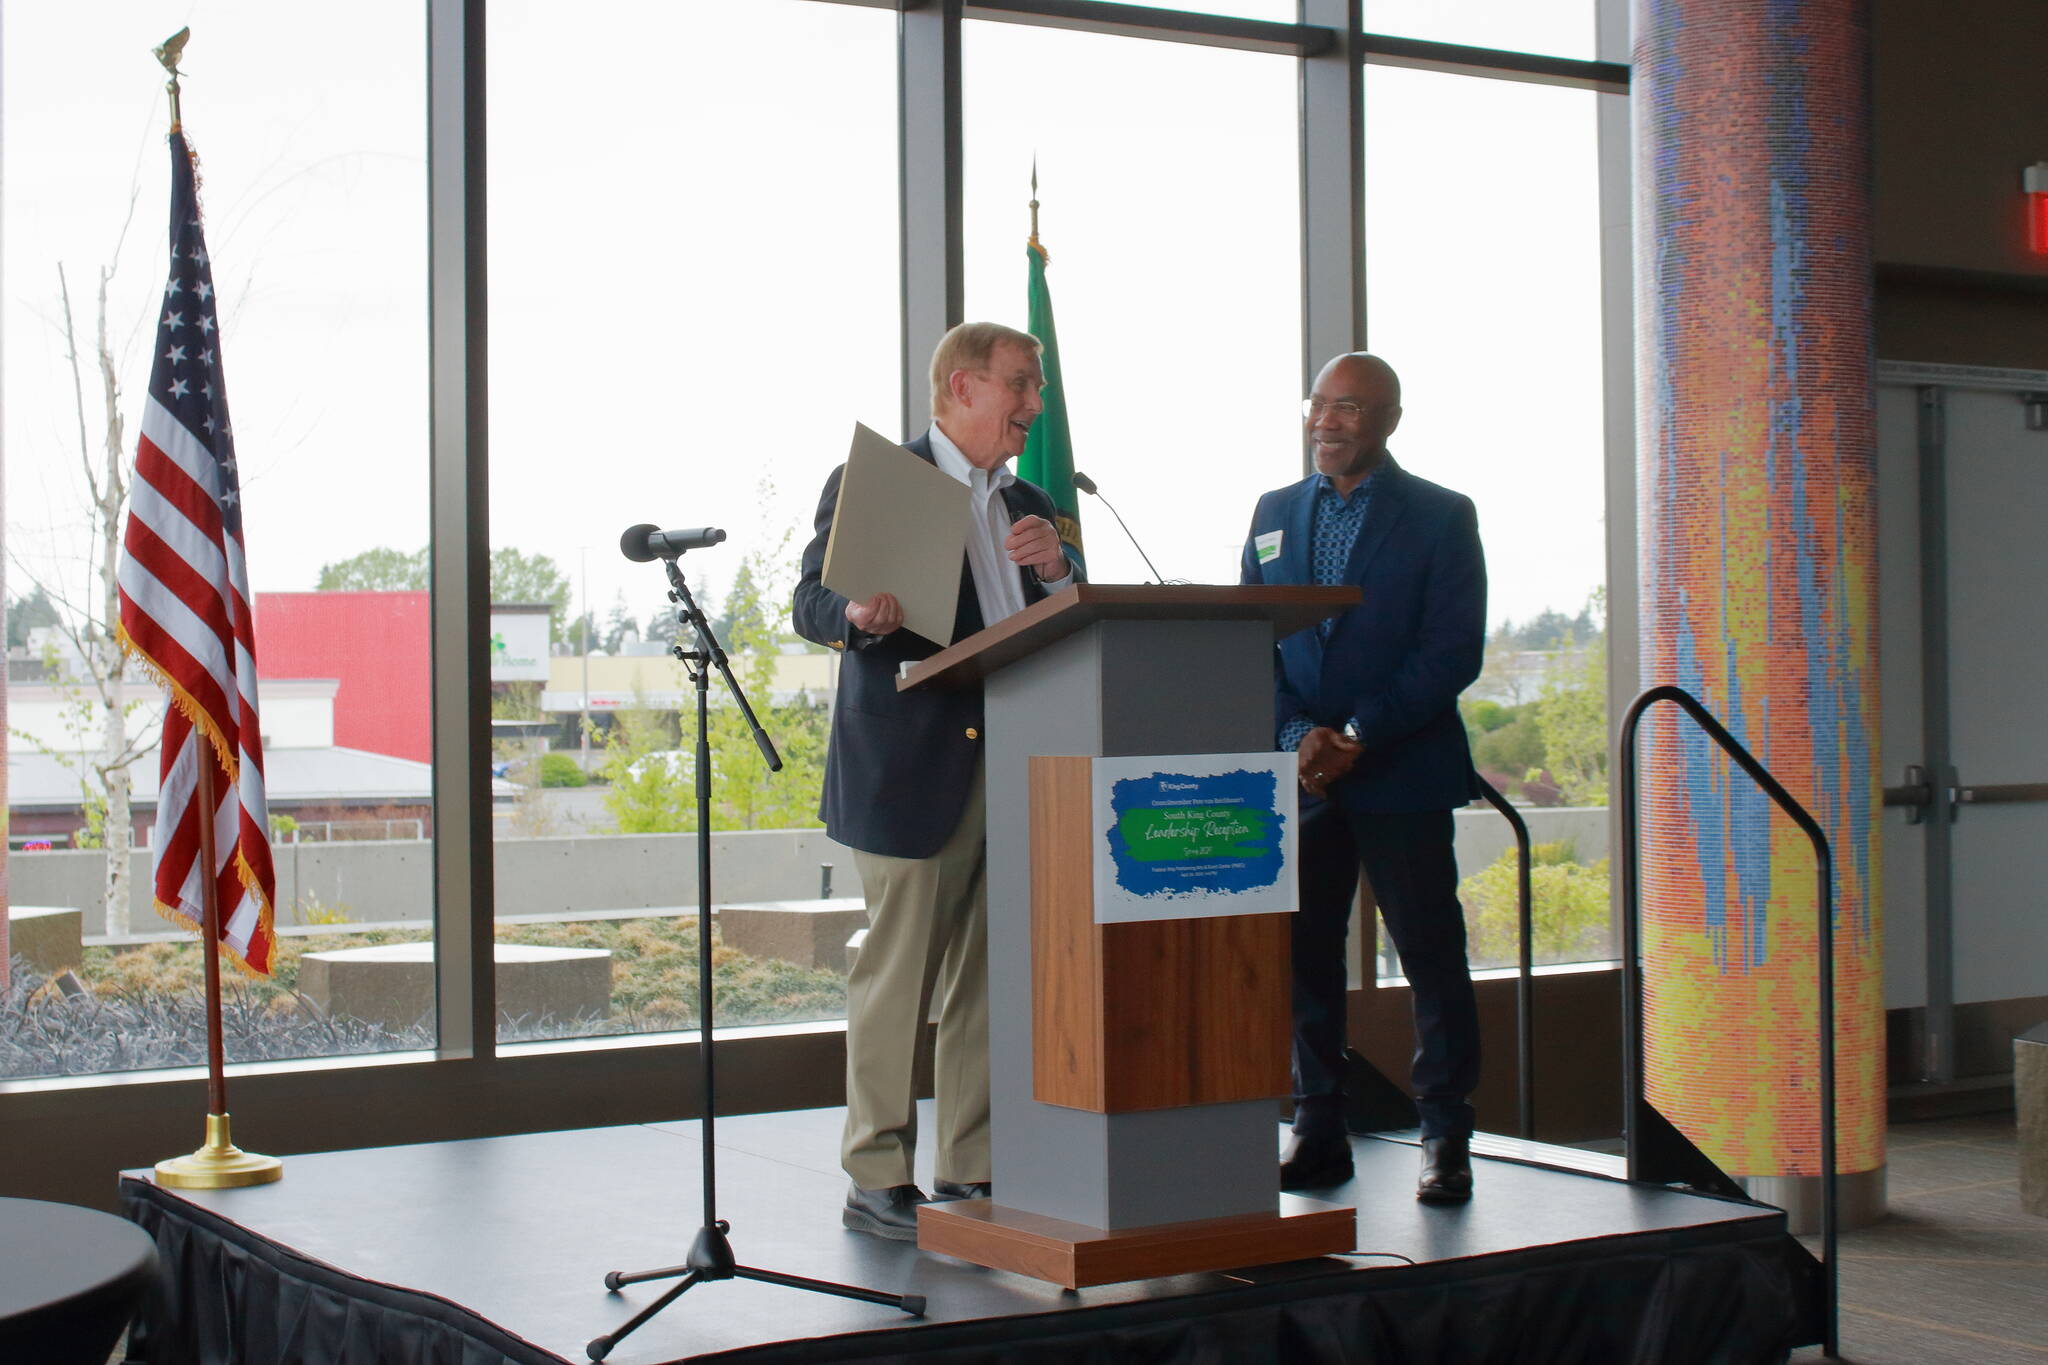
(1266, 548)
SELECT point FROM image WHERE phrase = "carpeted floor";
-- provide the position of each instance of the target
(1956, 1272)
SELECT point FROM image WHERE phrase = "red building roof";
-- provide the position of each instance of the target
(375, 644)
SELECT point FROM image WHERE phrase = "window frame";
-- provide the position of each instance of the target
(472, 1086)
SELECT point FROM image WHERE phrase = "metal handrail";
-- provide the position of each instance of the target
(1525, 1009)
(1632, 988)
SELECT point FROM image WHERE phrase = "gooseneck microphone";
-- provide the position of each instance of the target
(646, 541)
(1087, 485)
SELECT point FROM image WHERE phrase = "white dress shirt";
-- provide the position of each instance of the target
(996, 583)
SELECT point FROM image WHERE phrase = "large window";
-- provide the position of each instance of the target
(1277, 11)
(313, 185)
(1484, 292)
(694, 298)
(1170, 208)
(696, 288)
(1557, 28)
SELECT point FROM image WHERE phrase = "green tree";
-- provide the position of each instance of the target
(25, 614)
(1513, 747)
(618, 625)
(1568, 908)
(652, 779)
(1573, 713)
(661, 626)
(515, 577)
(378, 570)
(651, 790)
(746, 795)
(520, 577)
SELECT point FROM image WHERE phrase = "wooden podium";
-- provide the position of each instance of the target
(1134, 1067)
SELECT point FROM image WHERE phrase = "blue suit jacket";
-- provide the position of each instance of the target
(899, 765)
(1396, 662)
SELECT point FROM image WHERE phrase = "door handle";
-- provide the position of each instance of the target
(1916, 795)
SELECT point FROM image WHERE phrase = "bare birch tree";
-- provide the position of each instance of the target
(93, 629)
(87, 622)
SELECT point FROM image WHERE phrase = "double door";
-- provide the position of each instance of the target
(1963, 563)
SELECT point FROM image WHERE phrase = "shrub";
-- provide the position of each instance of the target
(1568, 908)
(1482, 716)
(1515, 747)
(142, 1007)
(560, 770)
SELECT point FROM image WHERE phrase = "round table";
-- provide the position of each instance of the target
(70, 1281)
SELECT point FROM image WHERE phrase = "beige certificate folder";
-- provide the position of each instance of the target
(901, 527)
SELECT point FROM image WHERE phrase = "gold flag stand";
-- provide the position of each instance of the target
(218, 1164)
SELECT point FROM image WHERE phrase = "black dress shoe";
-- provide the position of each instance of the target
(1315, 1163)
(954, 1189)
(890, 1213)
(1446, 1171)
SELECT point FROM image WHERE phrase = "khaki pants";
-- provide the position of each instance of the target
(927, 938)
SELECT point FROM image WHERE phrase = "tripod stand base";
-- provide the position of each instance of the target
(711, 1259)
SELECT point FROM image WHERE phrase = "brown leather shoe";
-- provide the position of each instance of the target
(1315, 1163)
(1446, 1171)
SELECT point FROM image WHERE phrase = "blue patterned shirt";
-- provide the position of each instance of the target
(1333, 531)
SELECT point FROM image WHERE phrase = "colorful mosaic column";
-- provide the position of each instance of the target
(1758, 505)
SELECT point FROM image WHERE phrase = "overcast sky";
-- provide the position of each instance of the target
(694, 270)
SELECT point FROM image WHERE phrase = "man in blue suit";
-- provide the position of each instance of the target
(903, 789)
(1368, 700)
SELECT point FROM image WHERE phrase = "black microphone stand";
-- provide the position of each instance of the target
(1087, 485)
(711, 1255)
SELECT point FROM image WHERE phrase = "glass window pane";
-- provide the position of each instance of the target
(314, 194)
(1278, 11)
(1171, 213)
(695, 296)
(1483, 237)
(1557, 28)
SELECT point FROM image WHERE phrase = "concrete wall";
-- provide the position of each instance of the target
(385, 881)
(1484, 833)
(393, 880)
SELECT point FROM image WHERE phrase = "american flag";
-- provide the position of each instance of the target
(185, 605)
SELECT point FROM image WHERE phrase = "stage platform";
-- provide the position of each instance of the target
(494, 1250)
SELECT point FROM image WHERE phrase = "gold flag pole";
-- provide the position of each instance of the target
(168, 52)
(1033, 243)
(218, 1164)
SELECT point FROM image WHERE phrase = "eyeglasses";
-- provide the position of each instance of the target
(1346, 410)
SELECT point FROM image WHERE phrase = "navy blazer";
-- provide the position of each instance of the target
(1396, 662)
(899, 764)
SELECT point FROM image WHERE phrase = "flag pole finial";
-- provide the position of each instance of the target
(1034, 200)
(168, 52)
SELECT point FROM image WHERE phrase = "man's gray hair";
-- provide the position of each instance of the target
(969, 347)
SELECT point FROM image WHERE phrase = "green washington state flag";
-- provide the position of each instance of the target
(1048, 458)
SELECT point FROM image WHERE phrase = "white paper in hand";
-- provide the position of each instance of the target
(900, 527)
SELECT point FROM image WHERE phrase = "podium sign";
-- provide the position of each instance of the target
(1193, 835)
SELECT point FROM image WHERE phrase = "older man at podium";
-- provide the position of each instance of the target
(1369, 702)
(903, 789)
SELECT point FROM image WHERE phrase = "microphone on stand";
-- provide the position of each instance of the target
(646, 542)
(1087, 485)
